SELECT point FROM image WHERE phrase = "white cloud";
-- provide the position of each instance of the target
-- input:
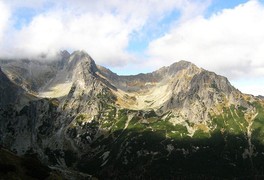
(4, 16)
(104, 37)
(102, 28)
(229, 42)
(25, 3)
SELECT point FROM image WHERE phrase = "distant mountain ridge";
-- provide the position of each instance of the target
(163, 124)
(182, 80)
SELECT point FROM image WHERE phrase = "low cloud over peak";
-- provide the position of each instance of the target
(229, 42)
(133, 36)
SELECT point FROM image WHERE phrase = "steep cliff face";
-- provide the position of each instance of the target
(161, 124)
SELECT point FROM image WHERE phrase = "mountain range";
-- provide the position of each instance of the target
(179, 121)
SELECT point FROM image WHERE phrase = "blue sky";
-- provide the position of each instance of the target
(133, 36)
(218, 5)
(139, 42)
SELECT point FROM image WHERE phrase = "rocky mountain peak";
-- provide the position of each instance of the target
(176, 68)
(182, 64)
(65, 54)
(81, 57)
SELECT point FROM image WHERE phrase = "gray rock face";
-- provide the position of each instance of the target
(76, 114)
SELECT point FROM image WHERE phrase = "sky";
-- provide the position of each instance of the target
(134, 36)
